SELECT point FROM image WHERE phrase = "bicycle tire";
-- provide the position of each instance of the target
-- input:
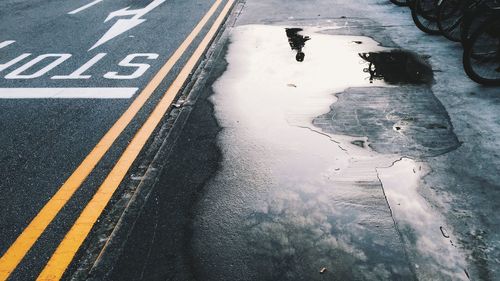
(481, 58)
(400, 2)
(423, 13)
(450, 15)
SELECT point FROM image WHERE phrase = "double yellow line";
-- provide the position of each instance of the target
(67, 249)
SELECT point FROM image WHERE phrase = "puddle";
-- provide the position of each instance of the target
(421, 226)
(290, 198)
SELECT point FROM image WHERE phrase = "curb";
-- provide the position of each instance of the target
(166, 138)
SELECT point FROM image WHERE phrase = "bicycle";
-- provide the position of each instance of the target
(481, 57)
(451, 14)
(475, 17)
(424, 15)
(400, 2)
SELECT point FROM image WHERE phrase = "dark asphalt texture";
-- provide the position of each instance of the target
(42, 141)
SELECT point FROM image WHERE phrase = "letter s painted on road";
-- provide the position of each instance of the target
(127, 62)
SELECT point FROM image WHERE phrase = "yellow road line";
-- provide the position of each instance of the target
(66, 251)
(37, 226)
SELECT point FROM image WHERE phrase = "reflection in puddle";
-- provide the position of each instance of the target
(398, 66)
(297, 41)
(300, 232)
(420, 225)
(289, 199)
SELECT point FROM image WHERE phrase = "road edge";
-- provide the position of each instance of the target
(150, 166)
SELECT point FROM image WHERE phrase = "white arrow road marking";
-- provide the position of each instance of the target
(6, 43)
(85, 7)
(122, 25)
(67, 93)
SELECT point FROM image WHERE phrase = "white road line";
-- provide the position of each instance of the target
(6, 43)
(85, 7)
(67, 93)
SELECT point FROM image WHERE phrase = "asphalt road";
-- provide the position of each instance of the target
(69, 70)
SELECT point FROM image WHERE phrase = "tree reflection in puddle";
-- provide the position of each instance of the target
(398, 66)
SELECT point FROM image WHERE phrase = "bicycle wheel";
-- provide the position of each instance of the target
(482, 54)
(424, 14)
(400, 2)
(449, 18)
(475, 15)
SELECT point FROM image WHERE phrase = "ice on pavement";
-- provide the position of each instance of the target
(290, 199)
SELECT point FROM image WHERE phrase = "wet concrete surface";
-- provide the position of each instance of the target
(301, 207)
(281, 199)
(313, 171)
(406, 120)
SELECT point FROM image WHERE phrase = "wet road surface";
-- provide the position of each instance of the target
(319, 142)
